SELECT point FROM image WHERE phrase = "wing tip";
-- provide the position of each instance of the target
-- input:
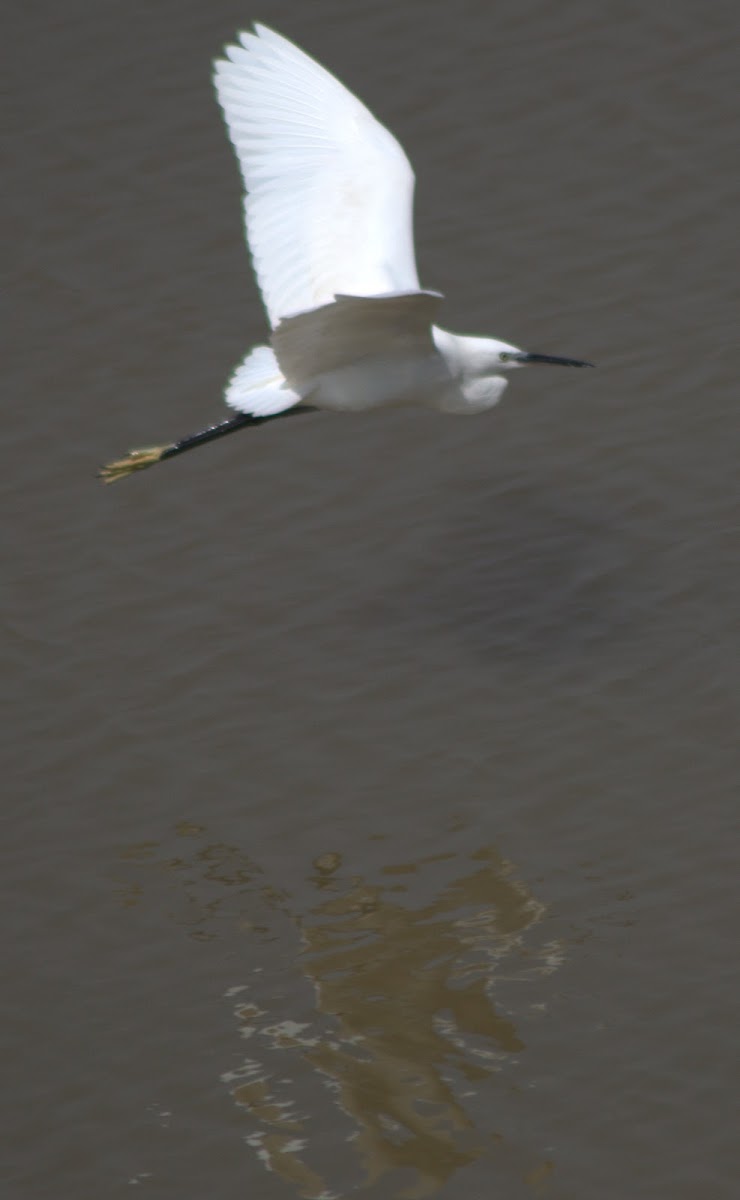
(253, 40)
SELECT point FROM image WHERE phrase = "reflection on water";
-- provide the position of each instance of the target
(203, 875)
(403, 1027)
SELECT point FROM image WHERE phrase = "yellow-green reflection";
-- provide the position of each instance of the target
(405, 1025)
(406, 993)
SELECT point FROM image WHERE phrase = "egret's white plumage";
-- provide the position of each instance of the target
(328, 213)
(329, 191)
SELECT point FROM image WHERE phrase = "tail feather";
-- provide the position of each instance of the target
(258, 386)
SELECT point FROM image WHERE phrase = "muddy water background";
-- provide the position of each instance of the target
(371, 783)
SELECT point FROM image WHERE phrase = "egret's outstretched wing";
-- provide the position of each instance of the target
(329, 190)
(352, 332)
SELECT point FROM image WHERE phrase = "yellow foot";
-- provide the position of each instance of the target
(137, 460)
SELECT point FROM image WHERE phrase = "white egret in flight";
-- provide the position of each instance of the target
(328, 214)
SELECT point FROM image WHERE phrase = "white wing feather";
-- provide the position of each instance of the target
(329, 196)
(369, 334)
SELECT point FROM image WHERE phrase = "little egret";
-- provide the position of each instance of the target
(328, 214)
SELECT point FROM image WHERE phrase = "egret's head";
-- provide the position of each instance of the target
(482, 365)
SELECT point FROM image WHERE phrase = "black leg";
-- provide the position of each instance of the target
(138, 460)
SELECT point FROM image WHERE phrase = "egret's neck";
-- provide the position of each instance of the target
(473, 362)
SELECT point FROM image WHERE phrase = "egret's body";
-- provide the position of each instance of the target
(328, 215)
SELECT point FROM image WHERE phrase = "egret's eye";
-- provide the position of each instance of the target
(503, 356)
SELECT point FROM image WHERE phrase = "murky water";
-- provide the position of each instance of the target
(371, 783)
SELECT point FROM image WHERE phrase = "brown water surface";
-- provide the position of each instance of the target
(372, 782)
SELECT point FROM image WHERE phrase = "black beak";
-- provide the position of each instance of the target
(549, 358)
